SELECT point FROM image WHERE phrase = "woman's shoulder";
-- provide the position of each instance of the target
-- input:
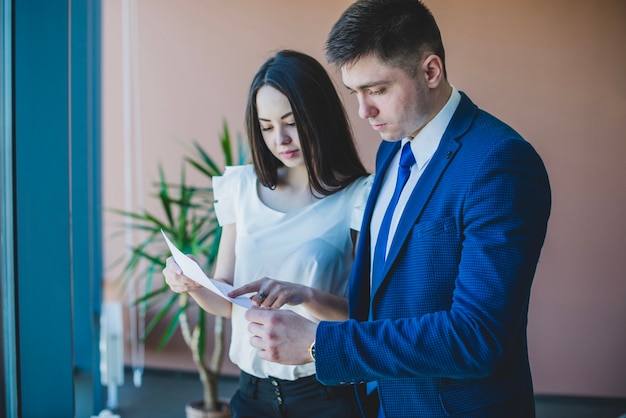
(235, 173)
(357, 193)
(238, 171)
(229, 189)
(362, 185)
(233, 178)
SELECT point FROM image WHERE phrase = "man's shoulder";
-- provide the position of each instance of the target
(482, 122)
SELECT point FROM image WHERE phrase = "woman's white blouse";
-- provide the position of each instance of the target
(310, 246)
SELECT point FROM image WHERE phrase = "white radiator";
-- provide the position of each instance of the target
(112, 350)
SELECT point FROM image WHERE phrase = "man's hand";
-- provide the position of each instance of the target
(282, 336)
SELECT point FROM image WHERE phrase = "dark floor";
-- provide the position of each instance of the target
(163, 394)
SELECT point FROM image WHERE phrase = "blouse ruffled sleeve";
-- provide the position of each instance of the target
(225, 189)
(360, 199)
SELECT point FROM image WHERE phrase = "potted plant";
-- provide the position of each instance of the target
(189, 221)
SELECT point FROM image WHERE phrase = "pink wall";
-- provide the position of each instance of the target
(554, 70)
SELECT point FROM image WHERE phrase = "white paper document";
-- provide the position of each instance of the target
(192, 270)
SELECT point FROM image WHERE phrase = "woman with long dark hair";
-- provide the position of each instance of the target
(289, 223)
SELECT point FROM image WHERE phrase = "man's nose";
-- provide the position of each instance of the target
(366, 109)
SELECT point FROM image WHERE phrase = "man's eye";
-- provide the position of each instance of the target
(377, 92)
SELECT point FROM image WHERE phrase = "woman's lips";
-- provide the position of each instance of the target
(289, 154)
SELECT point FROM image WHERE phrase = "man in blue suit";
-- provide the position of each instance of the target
(440, 286)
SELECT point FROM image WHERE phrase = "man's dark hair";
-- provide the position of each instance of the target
(326, 140)
(398, 32)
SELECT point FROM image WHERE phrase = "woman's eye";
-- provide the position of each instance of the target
(266, 128)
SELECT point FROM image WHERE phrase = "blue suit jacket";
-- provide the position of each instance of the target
(448, 335)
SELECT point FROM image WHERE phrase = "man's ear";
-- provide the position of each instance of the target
(432, 68)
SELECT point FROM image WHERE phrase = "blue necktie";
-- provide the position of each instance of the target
(404, 170)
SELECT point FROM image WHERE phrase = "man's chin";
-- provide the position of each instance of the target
(389, 138)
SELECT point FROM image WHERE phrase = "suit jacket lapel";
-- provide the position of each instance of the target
(359, 285)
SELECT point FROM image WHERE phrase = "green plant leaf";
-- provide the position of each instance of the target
(206, 165)
(202, 330)
(171, 328)
(160, 315)
(225, 143)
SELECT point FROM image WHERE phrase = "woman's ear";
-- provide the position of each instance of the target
(432, 68)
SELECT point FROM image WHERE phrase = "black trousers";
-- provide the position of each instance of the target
(302, 398)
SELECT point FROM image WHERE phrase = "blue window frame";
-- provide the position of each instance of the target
(50, 239)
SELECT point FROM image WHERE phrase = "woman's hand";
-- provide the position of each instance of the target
(272, 293)
(175, 278)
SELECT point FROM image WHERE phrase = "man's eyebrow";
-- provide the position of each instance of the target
(368, 85)
(286, 115)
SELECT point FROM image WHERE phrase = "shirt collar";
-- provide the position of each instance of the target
(427, 140)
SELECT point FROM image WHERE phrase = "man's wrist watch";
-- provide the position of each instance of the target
(312, 350)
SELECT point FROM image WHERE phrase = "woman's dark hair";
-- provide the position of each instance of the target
(326, 140)
(398, 32)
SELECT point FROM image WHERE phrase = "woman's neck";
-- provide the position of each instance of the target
(292, 191)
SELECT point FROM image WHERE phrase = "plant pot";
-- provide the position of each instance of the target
(196, 409)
